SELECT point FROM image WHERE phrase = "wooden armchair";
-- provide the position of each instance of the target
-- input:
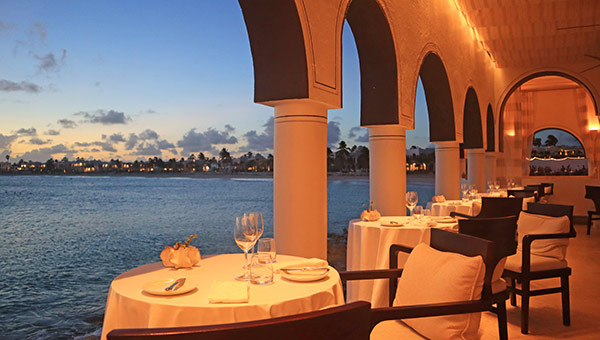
(549, 191)
(502, 232)
(350, 321)
(528, 264)
(443, 241)
(496, 207)
(538, 189)
(593, 193)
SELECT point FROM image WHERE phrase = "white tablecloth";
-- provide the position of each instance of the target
(128, 306)
(368, 248)
(471, 207)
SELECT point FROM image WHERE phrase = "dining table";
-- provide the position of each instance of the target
(469, 207)
(369, 244)
(129, 306)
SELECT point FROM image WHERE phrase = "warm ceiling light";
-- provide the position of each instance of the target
(510, 133)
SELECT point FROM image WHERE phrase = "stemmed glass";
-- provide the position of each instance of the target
(256, 216)
(490, 185)
(411, 200)
(245, 235)
(464, 190)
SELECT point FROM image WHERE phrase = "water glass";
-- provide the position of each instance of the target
(418, 212)
(411, 200)
(426, 213)
(261, 269)
(266, 245)
(464, 190)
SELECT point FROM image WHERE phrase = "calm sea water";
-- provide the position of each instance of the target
(63, 239)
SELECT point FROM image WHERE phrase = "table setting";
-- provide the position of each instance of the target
(186, 289)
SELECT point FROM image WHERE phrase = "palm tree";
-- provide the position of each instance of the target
(7, 157)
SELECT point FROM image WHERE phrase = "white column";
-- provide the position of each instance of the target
(387, 169)
(447, 170)
(300, 179)
(476, 168)
(490, 166)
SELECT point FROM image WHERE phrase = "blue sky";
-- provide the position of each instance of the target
(138, 79)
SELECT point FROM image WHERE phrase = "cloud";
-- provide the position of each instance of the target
(148, 134)
(27, 132)
(116, 138)
(97, 84)
(5, 27)
(39, 29)
(52, 132)
(106, 146)
(333, 133)
(25, 86)
(67, 123)
(103, 117)
(203, 141)
(49, 62)
(131, 141)
(164, 144)
(229, 128)
(260, 142)
(43, 154)
(146, 149)
(6, 141)
(38, 141)
(359, 134)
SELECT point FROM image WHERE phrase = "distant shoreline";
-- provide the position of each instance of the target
(330, 175)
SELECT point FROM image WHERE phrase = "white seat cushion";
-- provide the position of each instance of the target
(538, 263)
(530, 224)
(431, 276)
(527, 200)
(394, 329)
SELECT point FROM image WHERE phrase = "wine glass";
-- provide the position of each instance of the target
(490, 185)
(464, 190)
(257, 218)
(245, 235)
(473, 191)
(411, 200)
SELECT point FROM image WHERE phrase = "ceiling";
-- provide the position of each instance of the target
(534, 32)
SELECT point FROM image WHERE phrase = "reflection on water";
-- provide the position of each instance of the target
(64, 238)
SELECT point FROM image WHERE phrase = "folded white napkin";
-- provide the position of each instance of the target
(422, 223)
(312, 262)
(228, 292)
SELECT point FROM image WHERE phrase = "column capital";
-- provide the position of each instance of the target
(387, 131)
(447, 145)
(300, 107)
(475, 151)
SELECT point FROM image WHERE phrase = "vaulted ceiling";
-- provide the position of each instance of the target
(537, 32)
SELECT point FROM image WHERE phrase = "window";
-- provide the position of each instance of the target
(556, 152)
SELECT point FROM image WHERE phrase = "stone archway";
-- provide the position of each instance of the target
(473, 140)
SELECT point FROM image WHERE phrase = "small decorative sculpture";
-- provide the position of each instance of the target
(181, 255)
(371, 214)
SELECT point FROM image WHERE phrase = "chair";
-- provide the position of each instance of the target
(538, 189)
(443, 241)
(526, 195)
(502, 232)
(592, 193)
(496, 207)
(350, 321)
(548, 185)
(526, 266)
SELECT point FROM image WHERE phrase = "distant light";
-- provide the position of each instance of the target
(510, 133)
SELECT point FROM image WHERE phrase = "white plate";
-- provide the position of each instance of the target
(446, 220)
(305, 276)
(158, 287)
(390, 224)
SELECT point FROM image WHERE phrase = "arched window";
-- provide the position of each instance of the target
(556, 152)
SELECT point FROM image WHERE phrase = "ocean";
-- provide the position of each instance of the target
(64, 238)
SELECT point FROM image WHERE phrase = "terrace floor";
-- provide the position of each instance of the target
(545, 316)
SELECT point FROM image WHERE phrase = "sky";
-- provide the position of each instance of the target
(137, 79)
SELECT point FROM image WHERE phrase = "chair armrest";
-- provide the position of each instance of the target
(352, 275)
(529, 238)
(454, 214)
(418, 311)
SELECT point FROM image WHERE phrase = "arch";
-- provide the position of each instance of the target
(491, 133)
(472, 129)
(438, 97)
(536, 74)
(378, 63)
(278, 55)
(562, 128)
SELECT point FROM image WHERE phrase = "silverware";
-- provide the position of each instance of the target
(174, 284)
(180, 284)
(305, 269)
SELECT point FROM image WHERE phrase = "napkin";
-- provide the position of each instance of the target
(429, 224)
(228, 292)
(312, 262)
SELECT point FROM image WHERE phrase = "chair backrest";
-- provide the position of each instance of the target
(548, 185)
(350, 321)
(538, 188)
(502, 231)
(553, 210)
(522, 193)
(593, 193)
(500, 207)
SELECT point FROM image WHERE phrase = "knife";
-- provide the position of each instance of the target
(174, 284)
(180, 284)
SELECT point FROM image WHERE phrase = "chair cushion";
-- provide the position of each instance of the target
(432, 276)
(538, 263)
(526, 200)
(394, 329)
(498, 286)
(529, 224)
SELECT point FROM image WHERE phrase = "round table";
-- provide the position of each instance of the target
(470, 207)
(369, 248)
(128, 306)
